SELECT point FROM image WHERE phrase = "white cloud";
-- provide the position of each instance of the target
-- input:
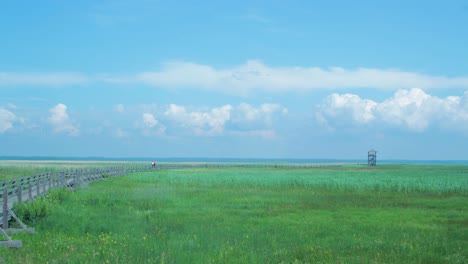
(149, 120)
(247, 78)
(60, 120)
(254, 75)
(208, 122)
(42, 79)
(152, 127)
(6, 120)
(243, 120)
(413, 109)
(360, 110)
(182, 74)
(246, 113)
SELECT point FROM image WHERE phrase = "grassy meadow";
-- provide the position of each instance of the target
(353, 214)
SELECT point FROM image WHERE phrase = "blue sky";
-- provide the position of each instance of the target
(246, 79)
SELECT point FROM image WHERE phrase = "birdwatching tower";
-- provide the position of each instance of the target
(372, 157)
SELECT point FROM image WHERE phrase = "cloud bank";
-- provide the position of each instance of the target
(243, 79)
(413, 109)
(254, 75)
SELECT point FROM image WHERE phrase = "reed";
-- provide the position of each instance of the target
(388, 214)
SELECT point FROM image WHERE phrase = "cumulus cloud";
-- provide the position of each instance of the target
(6, 120)
(208, 122)
(263, 113)
(149, 120)
(257, 121)
(360, 110)
(60, 120)
(254, 75)
(413, 109)
(41, 79)
(243, 120)
(151, 125)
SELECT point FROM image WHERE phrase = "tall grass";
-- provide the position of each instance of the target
(257, 216)
(393, 178)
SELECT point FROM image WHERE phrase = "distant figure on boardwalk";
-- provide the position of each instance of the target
(153, 164)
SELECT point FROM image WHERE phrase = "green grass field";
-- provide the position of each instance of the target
(387, 214)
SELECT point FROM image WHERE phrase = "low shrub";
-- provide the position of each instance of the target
(32, 211)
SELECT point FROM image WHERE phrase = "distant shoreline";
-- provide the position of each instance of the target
(229, 160)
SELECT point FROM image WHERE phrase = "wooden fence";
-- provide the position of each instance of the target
(28, 188)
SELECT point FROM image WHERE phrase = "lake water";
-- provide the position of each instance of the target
(241, 160)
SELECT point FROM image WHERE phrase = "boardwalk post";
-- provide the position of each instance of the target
(29, 189)
(44, 186)
(38, 191)
(5, 207)
(20, 192)
(49, 177)
(62, 178)
(74, 179)
(42, 182)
